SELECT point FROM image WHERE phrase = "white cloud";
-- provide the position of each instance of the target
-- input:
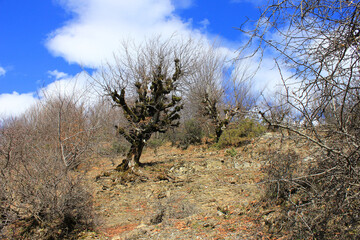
(2, 71)
(99, 27)
(14, 104)
(76, 87)
(58, 75)
(204, 23)
(266, 76)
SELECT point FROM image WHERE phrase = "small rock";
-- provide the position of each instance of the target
(158, 217)
(208, 225)
(219, 213)
(168, 193)
(161, 195)
(142, 225)
(232, 181)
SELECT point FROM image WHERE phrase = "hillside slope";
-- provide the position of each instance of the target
(198, 193)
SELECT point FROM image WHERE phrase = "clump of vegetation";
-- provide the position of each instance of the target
(192, 134)
(155, 142)
(42, 197)
(319, 45)
(189, 133)
(240, 132)
(174, 136)
(231, 152)
(280, 167)
(119, 147)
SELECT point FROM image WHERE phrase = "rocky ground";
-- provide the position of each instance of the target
(198, 193)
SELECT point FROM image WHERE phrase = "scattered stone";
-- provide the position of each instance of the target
(158, 217)
(208, 225)
(161, 195)
(183, 198)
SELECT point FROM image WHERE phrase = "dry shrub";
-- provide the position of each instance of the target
(279, 169)
(319, 44)
(45, 195)
(41, 196)
(318, 200)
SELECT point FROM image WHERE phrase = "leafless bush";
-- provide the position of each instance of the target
(318, 42)
(65, 121)
(39, 188)
(281, 169)
(277, 109)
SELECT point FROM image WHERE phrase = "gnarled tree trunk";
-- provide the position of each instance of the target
(132, 159)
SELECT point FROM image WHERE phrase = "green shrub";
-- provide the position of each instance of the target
(173, 136)
(193, 132)
(231, 152)
(155, 143)
(190, 133)
(241, 132)
(119, 148)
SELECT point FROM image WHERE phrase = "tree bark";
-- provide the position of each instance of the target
(218, 132)
(133, 156)
(137, 155)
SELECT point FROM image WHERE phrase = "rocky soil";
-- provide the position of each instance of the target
(198, 193)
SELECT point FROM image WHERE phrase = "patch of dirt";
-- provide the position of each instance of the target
(198, 193)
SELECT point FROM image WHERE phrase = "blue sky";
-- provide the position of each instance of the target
(43, 42)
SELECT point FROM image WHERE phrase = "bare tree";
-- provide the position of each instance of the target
(143, 82)
(12, 136)
(318, 43)
(220, 89)
(64, 120)
(276, 109)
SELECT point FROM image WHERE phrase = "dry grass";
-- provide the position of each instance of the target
(181, 194)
